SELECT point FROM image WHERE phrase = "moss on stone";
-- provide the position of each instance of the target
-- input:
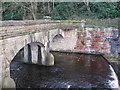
(8, 83)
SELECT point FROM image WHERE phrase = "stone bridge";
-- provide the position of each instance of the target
(15, 35)
(37, 38)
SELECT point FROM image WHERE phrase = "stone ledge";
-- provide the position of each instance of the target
(32, 22)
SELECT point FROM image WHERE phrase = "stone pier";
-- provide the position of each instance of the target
(34, 53)
(26, 54)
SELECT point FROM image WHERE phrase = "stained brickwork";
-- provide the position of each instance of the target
(98, 40)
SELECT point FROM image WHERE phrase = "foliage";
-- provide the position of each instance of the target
(59, 10)
(105, 10)
(10, 12)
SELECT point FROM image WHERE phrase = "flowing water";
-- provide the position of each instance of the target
(70, 71)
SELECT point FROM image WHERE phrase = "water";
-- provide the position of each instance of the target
(116, 66)
(69, 71)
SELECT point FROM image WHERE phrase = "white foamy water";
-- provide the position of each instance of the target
(113, 83)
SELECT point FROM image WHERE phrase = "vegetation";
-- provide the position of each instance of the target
(112, 57)
(89, 11)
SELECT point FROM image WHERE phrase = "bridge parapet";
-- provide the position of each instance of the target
(18, 28)
(32, 22)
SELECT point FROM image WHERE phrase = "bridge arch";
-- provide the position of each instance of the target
(57, 42)
(56, 34)
(13, 46)
(25, 53)
(7, 77)
(57, 38)
(40, 46)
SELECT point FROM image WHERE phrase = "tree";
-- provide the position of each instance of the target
(59, 10)
(86, 2)
(30, 6)
(19, 10)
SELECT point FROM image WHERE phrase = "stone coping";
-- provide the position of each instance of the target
(32, 22)
(76, 52)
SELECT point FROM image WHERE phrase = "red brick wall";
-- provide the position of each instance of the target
(94, 40)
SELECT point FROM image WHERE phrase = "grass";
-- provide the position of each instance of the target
(99, 22)
(93, 21)
(103, 22)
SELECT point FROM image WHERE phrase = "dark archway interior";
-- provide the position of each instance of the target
(20, 55)
(57, 38)
(18, 60)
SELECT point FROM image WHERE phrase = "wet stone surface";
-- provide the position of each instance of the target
(69, 71)
(116, 66)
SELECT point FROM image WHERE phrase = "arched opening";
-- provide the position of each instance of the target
(27, 56)
(57, 38)
(27, 51)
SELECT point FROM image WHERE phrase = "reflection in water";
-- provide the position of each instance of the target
(69, 71)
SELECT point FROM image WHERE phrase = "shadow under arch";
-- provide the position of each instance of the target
(57, 38)
(20, 53)
(19, 57)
